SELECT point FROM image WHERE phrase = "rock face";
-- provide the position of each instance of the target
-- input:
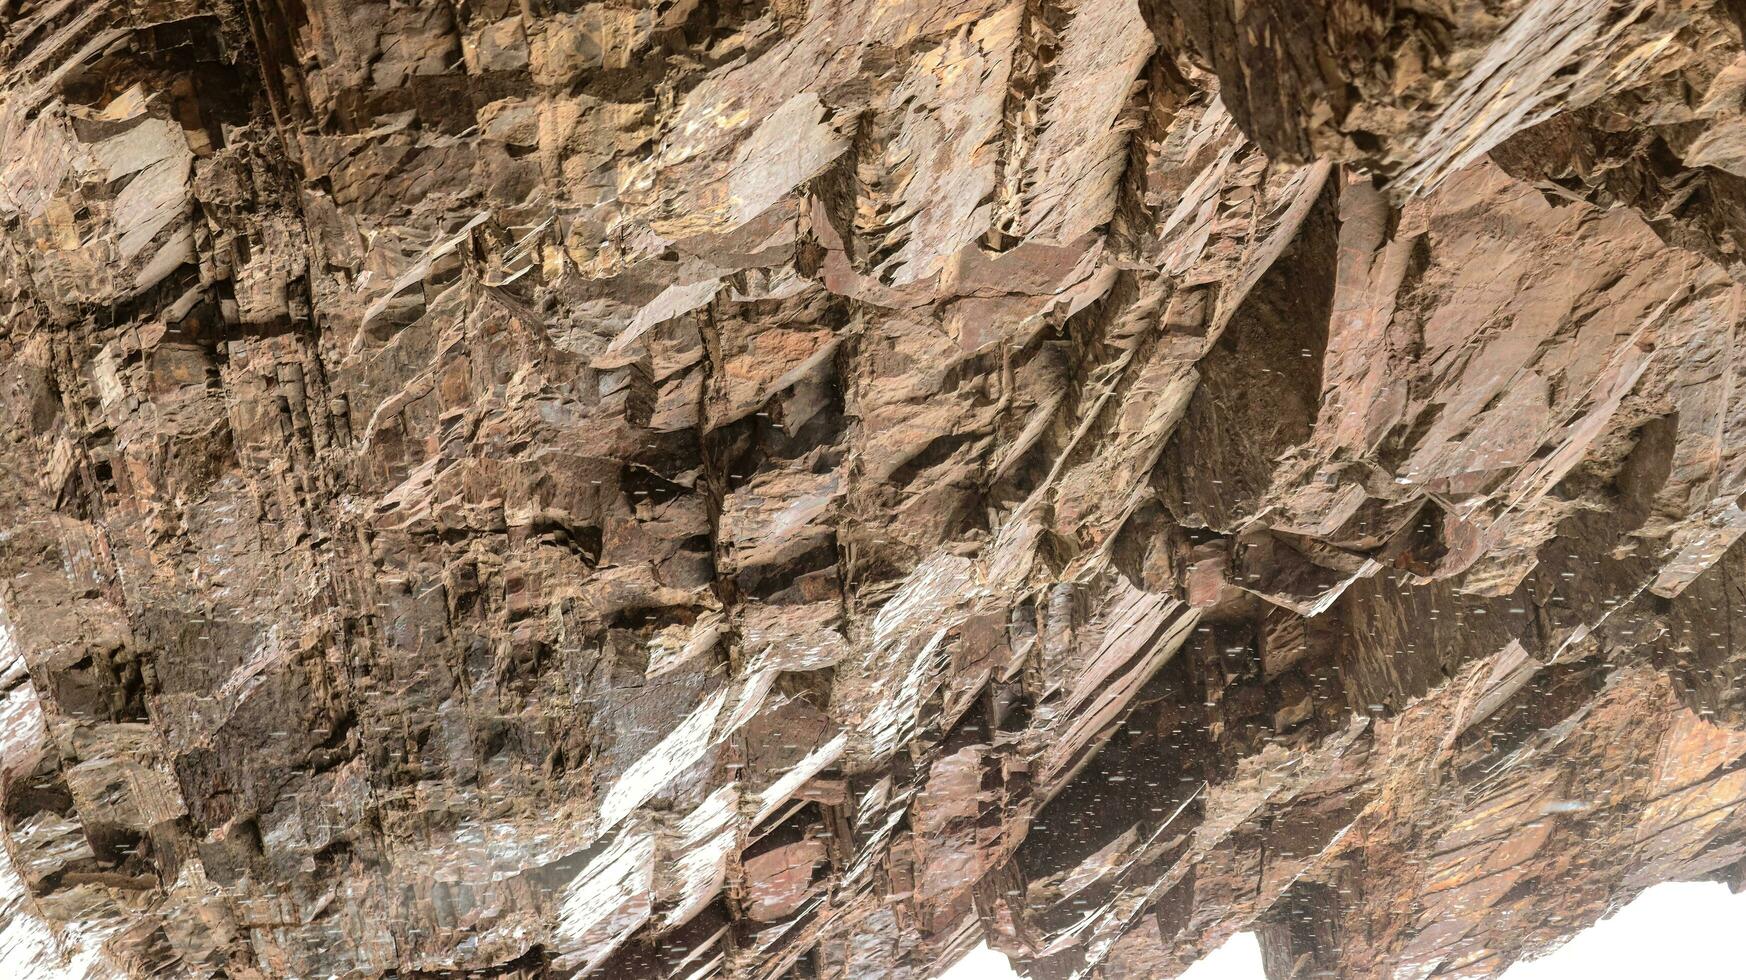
(796, 488)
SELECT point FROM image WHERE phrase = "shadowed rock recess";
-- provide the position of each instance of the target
(798, 488)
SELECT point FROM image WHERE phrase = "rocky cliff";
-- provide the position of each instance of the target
(797, 488)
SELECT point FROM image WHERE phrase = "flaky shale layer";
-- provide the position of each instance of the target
(797, 488)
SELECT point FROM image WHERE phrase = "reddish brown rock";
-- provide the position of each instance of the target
(797, 488)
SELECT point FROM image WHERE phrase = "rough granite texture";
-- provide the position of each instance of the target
(797, 488)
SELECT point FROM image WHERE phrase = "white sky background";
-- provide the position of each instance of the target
(1690, 930)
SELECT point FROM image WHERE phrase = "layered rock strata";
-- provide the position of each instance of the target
(798, 488)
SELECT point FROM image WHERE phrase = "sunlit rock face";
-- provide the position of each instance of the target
(677, 488)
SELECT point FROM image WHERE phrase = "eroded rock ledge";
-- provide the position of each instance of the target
(715, 488)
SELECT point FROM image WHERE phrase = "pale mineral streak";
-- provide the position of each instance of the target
(800, 488)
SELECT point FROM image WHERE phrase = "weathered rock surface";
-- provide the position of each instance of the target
(796, 488)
